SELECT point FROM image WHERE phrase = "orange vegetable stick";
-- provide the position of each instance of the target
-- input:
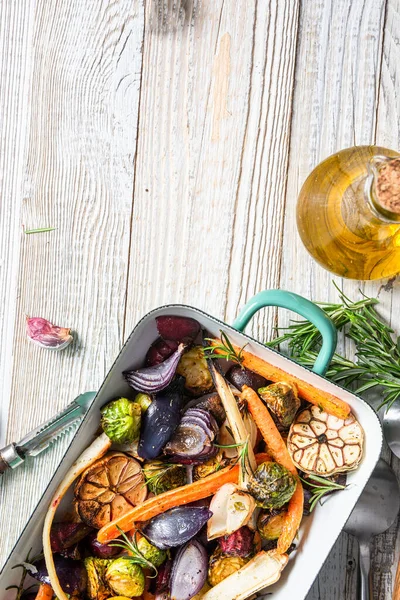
(265, 423)
(183, 495)
(292, 520)
(328, 402)
(45, 592)
(280, 454)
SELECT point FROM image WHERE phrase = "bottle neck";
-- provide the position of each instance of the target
(382, 188)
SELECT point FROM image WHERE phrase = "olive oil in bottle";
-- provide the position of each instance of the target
(348, 213)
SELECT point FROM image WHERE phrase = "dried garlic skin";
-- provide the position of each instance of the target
(45, 334)
(322, 444)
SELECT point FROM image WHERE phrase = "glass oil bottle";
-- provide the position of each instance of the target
(348, 213)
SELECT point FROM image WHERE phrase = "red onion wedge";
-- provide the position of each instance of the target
(159, 351)
(189, 571)
(178, 329)
(154, 379)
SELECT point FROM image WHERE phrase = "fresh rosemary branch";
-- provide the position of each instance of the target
(226, 350)
(377, 353)
(135, 555)
(320, 488)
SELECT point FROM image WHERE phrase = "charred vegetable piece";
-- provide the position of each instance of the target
(212, 403)
(240, 376)
(151, 553)
(109, 488)
(99, 550)
(176, 526)
(222, 565)
(161, 477)
(163, 577)
(212, 465)
(160, 420)
(71, 574)
(270, 524)
(65, 535)
(193, 367)
(189, 571)
(178, 329)
(194, 435)
(238, 543)
(159, 351)
(272, 485)
(97, 588)
(322, 444)
(154, 379)
(282, 400)
(121, 420)
(125, 577)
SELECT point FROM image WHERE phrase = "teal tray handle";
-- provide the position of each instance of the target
(301, 306)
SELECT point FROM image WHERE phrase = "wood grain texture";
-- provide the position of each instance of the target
(78, 170)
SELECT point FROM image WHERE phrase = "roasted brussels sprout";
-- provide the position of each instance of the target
(272, 485)
(121, 420)
(281, 399)
(213, 464)
(270, 524)
(125, 577)
(221, 566)
(151, 553)
(144, 401)
(97, 589)
(161, 477)
(193, 367)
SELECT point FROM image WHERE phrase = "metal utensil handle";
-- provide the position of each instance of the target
(301, 306)
(364, 563)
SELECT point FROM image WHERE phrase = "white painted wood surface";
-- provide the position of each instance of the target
(167, 143)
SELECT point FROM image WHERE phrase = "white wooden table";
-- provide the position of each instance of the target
(167, 143)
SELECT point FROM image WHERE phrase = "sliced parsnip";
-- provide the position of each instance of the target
(261, 571)
(95, 451)
(216, 524)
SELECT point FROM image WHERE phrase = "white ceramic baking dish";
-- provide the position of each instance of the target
(319, 531)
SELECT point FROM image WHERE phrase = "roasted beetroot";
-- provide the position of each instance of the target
(163, 577)
(178, 329)
(66, 535)
(239, 376)
(159, 351)
(100, 550)
(238, 543)
(71, 574)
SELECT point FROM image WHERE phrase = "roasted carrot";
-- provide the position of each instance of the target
(265, 423)
(292, 520)
(45, 592)
(328, 402)
(183, 495)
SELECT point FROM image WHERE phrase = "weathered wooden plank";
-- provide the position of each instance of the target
(335, 102)
(78, 173)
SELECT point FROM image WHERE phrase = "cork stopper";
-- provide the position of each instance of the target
(387, 186)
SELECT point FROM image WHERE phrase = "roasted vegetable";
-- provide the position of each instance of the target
(210, 402)
(193, 438)
(189, 571)
(151, 553)
(231, 509)
(100, 550)
(270, 524)
(159, 351)
(238, 543)
(282, 400)
(121, 420)
(144, 401)
(161, 477)
(272, 485)
(66, 535)
(240, 376)
(176, 526)
(178, 329)
(212, 465)
(124, 577)
(321, 444)
(109, 488)
(163, 578)
(222, 565)
(154, 379)
(160, 420)
(97, 588)
(193, 367)
(71, 574)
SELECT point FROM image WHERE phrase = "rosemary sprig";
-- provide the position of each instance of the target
(159, 473)
(226, 349)
(20, 588)
(377, 352)
(39, 230)
(320, 488)
(135, 556)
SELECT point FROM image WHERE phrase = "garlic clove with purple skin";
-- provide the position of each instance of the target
(45, 334)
